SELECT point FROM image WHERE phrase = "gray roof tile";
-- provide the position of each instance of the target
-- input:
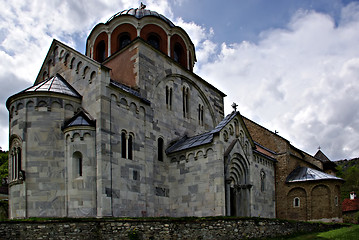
(303, 174)
(198, 140)
(56, 84)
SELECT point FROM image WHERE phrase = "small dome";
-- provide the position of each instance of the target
(140, 13)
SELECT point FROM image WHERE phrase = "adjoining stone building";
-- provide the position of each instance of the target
(129, 130)
(306, 186)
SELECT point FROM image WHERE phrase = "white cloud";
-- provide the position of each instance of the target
(26, 32)
(301, 80)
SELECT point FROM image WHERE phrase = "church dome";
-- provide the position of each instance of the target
(152, 28)
(140, 13)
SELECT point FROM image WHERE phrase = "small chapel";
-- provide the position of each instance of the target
(129, 130)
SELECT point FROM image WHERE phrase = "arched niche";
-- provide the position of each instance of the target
(151, 31)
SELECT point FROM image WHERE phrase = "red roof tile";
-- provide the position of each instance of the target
(350, 205)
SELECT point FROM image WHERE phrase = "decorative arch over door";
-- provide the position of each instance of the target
(237, 187)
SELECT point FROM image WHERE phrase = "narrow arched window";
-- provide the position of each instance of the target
(130, 142)
(263, 177)
(15, 161)
(101, 51)
(123, 40)
(123, 145)
(336, 202)
(154, 41)
(200, 114)
(160, 149)
(185, 98)
(296, 202)
(169, 97)
(77, 164)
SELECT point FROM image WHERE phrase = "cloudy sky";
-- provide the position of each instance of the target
(290, 65)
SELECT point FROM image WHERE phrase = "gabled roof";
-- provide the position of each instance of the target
(304, 174)
(349, 205)
(321, 156)
(204, 138)
(56, 84)
(82, 118)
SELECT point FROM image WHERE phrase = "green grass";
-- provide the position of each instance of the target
(346, 233)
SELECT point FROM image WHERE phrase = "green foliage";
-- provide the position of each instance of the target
(4, 163)
(344, 233)
(133, 234)
(4, 210)
(349, 171)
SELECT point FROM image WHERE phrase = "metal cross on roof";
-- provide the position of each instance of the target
(234, 106)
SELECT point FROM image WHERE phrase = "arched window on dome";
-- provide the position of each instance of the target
(154, 41)
(123, 40)
(101, 51)
(178, 53)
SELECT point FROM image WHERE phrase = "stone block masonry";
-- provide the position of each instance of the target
(157, 228)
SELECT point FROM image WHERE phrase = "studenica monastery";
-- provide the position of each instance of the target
(129, 130)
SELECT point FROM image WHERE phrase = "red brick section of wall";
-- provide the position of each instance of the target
(122, 66)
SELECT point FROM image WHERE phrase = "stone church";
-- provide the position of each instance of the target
(129, 130)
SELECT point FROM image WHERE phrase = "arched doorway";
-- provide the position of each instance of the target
(237, 187)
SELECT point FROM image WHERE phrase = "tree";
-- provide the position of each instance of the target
(349, 171)
(4, 163)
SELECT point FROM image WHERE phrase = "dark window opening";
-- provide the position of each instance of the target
(123, 40)
(123, 145)
(130, 147)
(80, 167)
(154, 41)
(185, 99)
(200, 114)
(177, 53)
(160, 149)
(296, 202)
(101, 51)
(77, 164)
(169, 97)
(135, 175)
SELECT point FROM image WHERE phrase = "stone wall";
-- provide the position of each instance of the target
(180, 228)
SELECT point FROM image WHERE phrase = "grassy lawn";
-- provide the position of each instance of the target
(346, 233)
